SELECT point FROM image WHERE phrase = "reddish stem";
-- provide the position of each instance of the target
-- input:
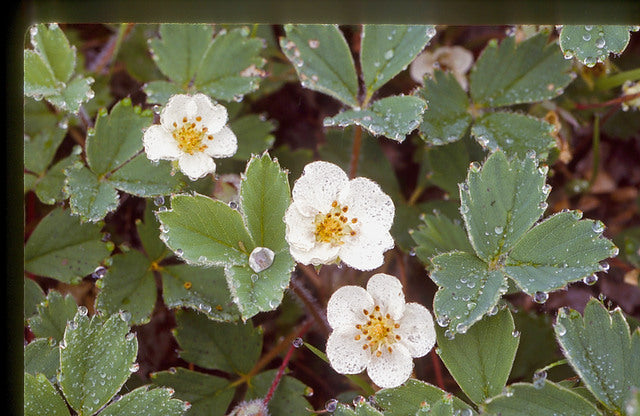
(615, 101)
(437, 369)
(285, 361)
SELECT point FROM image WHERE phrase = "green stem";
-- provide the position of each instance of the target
(618, 79)
(595, 150)
(555, 364)
(357, 380)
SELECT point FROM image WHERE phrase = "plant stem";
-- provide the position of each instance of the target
(437, 369)
(614, 101)
(618, 79)
(355, 152)
(595, 150)
(311, 305)
(111, 48)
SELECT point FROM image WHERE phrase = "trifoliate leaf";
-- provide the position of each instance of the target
(408, 398)
(205, 231)
(231, 66)
(447, 116)
(202, 289)
(480, 360)
(129, 285)
(42, 356)
(96, 360)
(40, 149)
(230, 347)
(393, 117)
(73, 95)
(468, 290)
(62, 248)
(89, 197)
(438, 234)
(287, 399)
(151, 402)
(545, 399)
(500, 202)
(49, 188)
(322, 59)
(208, 395)
(53, 314)
(516, 134)
(602, 351)
(41, 398)
(180, 49)
(388, 49)
(591, 44)
(557, 251)
(511, 73)
(117, 138)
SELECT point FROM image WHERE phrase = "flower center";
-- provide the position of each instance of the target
(333, 226)
(378, 331)
(189, 136)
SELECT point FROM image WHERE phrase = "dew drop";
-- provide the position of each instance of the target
(388, 54)
(498, 230)
(474, 167)
(443, 321)
(134, 367)
(431, 31)
(159, 200)
(588, 28)
(604, 266)
(560, 329)
(597, 227)
(531, 154)
(130, 336)
(540, 297)
(308, 391)
(82, 310)
(590, 280)
(314, 43)
(298, 342)
(586, 37)
(543, 205)
(254, 277)
(590, 61)
(72, 325)
(358, 400)
(449, 334)
(99, 272)
(331, 405)
(261, 258)
(233, 204)
(600, 43)
(539, 379)
(515, 334)
(125, 315)
(546, 189)
(179, 252)
(461, 328)
(568, 54)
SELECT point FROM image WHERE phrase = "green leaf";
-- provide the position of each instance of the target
(205, 231)
(254, 135)
(149, 232)
(40, 149)
(62, 248)
(41, 398)
(198, 288)
(73, 95)
(38, 117)
(255, 292)
(54, 49)
(208, 395)
(602, 351)
(544, 400)
(480, 360)
(393, 117)
(33, 295)
(42, 356)
(96, 361)
(287, 399)
(633, 404)
(265, 196)
(89, 197)
(500, 202)
(468, 290)
(49, 188)
(159, 92)
(438, 234)
(447, 116)
(154, 402)
(129, 285)
(407, 398)
(180, 49)
(388, 49)
(38, 78)
(53, 314)
(292, 160)
(591, 44)
(117, 138)
(508, 74)
(231, 66)
(516, 134)
(322, 58)
(229, 347)
(134, 53)
(141, 177)
(537, 344)
(557, 251)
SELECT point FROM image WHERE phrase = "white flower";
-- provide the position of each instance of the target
(332, 218)
(456, 59)
(193, 131)
(631, 88)
(375, 329)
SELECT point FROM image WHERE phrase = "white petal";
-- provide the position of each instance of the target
(365, 251)
(392, 368)
(321, 253)
(159, 144)
(386, 291)
(319, 186)
(345, 307)
(423, 64)
(345, 354)
(300, 231)
(178, 107)
(457, 58)
(197, 165)
(224, 144)
(416, 331)
(214, 116)
(368, 203)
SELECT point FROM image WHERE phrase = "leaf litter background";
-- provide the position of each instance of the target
(298, 114)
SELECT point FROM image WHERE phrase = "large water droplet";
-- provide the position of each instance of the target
(590, 280)
(540, 297)
(99, 272)
(331, 405)
(539, 378)
(314, 43)
(600, 43)
(82, 310)
(261, 258)
(298, 342)
(388, 54)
